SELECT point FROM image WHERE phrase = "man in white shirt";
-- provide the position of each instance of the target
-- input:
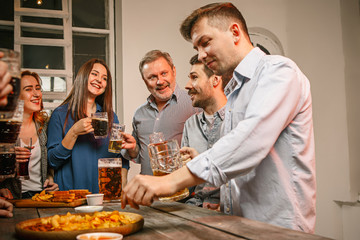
(265, 161)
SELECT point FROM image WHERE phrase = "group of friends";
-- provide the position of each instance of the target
(245, 121)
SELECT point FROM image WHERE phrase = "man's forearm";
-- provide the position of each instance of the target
(133, 152)
(183, 178)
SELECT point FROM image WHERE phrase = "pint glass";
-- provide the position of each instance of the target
(110, 178)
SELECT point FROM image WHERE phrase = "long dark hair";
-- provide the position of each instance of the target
(78, 96)
(41, 116)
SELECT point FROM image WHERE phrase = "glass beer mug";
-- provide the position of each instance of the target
(12, 58)
(164, 159)
(116, 138)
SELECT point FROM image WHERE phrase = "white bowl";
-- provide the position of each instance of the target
(88, 209)
(98, 235)
(95, 199)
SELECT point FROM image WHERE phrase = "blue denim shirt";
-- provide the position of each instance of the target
(76, 168)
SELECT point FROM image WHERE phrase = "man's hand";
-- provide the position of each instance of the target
(130, 145)
(144, 189)
(6, 208)
(188, 153)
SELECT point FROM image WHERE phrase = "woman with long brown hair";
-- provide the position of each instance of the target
(72, 149)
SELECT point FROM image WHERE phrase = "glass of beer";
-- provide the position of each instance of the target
(116, 137)
(99, 121)
(110, 178)
(23, 164)
(12, 58)
(164, 159)
(7, 161)
(10, 127)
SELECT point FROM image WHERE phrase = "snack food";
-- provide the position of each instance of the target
(72, 222)
(41, 232)
(60, 196)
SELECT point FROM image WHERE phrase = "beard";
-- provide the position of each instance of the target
(203, 102)
(165, 96)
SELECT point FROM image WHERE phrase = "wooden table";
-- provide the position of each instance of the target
(173, 221)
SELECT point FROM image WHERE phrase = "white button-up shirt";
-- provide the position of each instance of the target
(265, 161)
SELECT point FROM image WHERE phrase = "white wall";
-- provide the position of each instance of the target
(312, 34)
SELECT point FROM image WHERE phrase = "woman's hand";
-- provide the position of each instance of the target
(22, 154)
(83, 126)
(49, 185)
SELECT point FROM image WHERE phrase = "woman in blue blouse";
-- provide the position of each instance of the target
(72, 149)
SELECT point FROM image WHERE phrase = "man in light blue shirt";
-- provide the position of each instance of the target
(265, 161)
(202, 130)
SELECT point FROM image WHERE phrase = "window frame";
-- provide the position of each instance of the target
(66, 42)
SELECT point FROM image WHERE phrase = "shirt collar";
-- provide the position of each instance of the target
(220, 113)
(175, 96)
(245, 69)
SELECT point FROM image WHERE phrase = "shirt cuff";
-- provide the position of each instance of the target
(203, 167)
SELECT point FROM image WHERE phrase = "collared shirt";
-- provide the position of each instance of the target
(170, 121)
(266, 158)
(199, 135)
(76, 168)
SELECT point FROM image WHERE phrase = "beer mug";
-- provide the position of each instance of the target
(110, 178)
(99, 121)
(12, 58)
(10, 127)
(7, 161)
(116, 137)
(164, 159)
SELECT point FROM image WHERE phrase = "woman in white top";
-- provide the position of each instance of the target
(34, 126)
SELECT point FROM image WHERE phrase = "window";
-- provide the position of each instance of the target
(55, 37)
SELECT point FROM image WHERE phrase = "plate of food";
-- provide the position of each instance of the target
(70, 225)
(70, 198)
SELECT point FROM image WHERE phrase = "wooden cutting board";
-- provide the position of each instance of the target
(31, 203)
